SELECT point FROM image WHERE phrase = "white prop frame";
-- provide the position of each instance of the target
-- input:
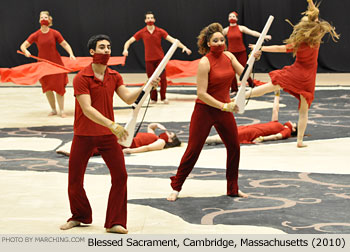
(240, 97)
(130, 126)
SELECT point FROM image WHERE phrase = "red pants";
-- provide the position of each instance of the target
(242, 59)
(150, 68)
(203, 118)
(111, 152)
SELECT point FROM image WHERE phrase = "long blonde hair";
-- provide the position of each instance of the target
(48, 14)
(310, 29)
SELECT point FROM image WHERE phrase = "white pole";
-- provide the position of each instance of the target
(130, 126)
(240, 97)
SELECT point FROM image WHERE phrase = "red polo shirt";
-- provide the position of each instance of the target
(101, 94)
(152, 42)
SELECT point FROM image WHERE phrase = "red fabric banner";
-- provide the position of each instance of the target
(81, 62)
(29, 74)
(180, 68)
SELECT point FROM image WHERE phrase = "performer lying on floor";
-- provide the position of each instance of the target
(142, 142)
(257, 133)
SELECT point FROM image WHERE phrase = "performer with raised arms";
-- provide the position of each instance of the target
(213, 107)
(152, 37)
(94, 127)
(45, 39)
(234, 34)
(299, 79)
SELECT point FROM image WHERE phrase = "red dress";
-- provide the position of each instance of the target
(143, 139)
(46, 43)
(299, 78)
(237, 48)
(247, 133)
(235, 39)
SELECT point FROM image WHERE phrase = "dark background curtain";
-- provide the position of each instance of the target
(77, 20)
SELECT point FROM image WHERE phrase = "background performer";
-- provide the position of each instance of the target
(46, 39)
(152, 37)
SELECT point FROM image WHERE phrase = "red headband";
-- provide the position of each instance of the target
(234, 13)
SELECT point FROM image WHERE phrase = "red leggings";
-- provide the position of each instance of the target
(111, 152)
(242, 59)
(150, 68)
(203, 118)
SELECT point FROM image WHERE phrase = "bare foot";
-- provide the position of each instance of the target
(70, 224)
(63, 115)
(239, 194)
(117, 229)
(173, 196)
(301, 145)
(63, 152)
(242, 194)
(52, 113)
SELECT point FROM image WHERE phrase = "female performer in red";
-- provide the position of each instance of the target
(150, 141)
(46, 39)
(142, 142)
(234, 34)
(299, 78)
(213, 107)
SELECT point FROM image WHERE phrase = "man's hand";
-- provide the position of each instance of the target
(119, 131)
(186, 50)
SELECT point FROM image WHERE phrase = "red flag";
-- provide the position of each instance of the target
(180, 68)
(29, 74)
(81, 62)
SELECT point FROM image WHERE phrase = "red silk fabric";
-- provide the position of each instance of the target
(29, 74)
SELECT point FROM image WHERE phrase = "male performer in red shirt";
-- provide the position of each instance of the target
(94, 127)
(152, 38)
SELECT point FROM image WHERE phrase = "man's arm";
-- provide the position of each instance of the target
(92, 113)
(129, 95)
(182, 46)
(127, 45)
(95, 116)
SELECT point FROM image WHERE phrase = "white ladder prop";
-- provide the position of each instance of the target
(130, 126)
(240, 97)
